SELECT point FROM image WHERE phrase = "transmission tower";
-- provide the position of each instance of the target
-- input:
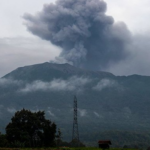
(75, 133)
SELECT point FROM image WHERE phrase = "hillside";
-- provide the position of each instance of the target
(106, 102)
(48, 71)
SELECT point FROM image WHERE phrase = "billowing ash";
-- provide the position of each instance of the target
(88, 37)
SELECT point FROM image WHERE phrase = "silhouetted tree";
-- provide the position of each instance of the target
(3, 140)
(58, 138)
(31, 129)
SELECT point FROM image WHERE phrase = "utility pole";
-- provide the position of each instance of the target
(75, 133)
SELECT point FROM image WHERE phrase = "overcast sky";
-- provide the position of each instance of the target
(19, 47)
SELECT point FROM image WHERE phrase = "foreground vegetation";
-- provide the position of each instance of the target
(64, 148)
(31, 129)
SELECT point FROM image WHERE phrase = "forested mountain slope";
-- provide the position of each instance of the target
(105, 101)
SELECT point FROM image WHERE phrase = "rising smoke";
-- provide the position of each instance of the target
(88, 37)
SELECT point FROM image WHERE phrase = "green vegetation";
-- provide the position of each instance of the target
(65, 148)
(29, 129)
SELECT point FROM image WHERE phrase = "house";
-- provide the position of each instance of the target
(104, 144)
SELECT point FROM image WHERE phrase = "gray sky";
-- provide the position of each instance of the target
(18, 47)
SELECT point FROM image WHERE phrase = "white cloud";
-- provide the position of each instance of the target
(104, 83)
(50, 113)
(11, 110)
(82, 112)
(18, 47)
(35, 109)
(96, 114)
(134, 13)
(11, 15)
(7, 82)
(71, 84)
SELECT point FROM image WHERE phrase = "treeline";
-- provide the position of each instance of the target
(31, 129)
(120, 139)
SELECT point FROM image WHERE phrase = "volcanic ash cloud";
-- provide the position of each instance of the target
(88, 37)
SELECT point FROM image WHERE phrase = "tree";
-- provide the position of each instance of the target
(3, 140)
(31, 129)
(58, 138)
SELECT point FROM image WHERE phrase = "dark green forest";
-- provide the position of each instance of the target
(29, 129)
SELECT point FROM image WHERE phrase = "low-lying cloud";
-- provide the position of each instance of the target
(74, 83)
(50, 113)
(82, 112)
(105, 83)
(78, 84)
(96, 114)
(11, 110)
(4, 82)
(71, 84)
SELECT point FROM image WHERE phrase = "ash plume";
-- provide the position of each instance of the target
(88, 37)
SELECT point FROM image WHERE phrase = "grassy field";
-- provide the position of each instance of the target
(62, 148)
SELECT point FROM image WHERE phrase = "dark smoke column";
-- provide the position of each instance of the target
(88, 37)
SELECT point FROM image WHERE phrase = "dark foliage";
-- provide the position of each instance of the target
(3, 140)
(30, 129)
(148, 148)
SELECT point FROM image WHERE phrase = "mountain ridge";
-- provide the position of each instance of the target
(67, 68)
(64, 68)
(105, 101)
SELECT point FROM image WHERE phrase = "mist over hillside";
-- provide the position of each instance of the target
(105, 102)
